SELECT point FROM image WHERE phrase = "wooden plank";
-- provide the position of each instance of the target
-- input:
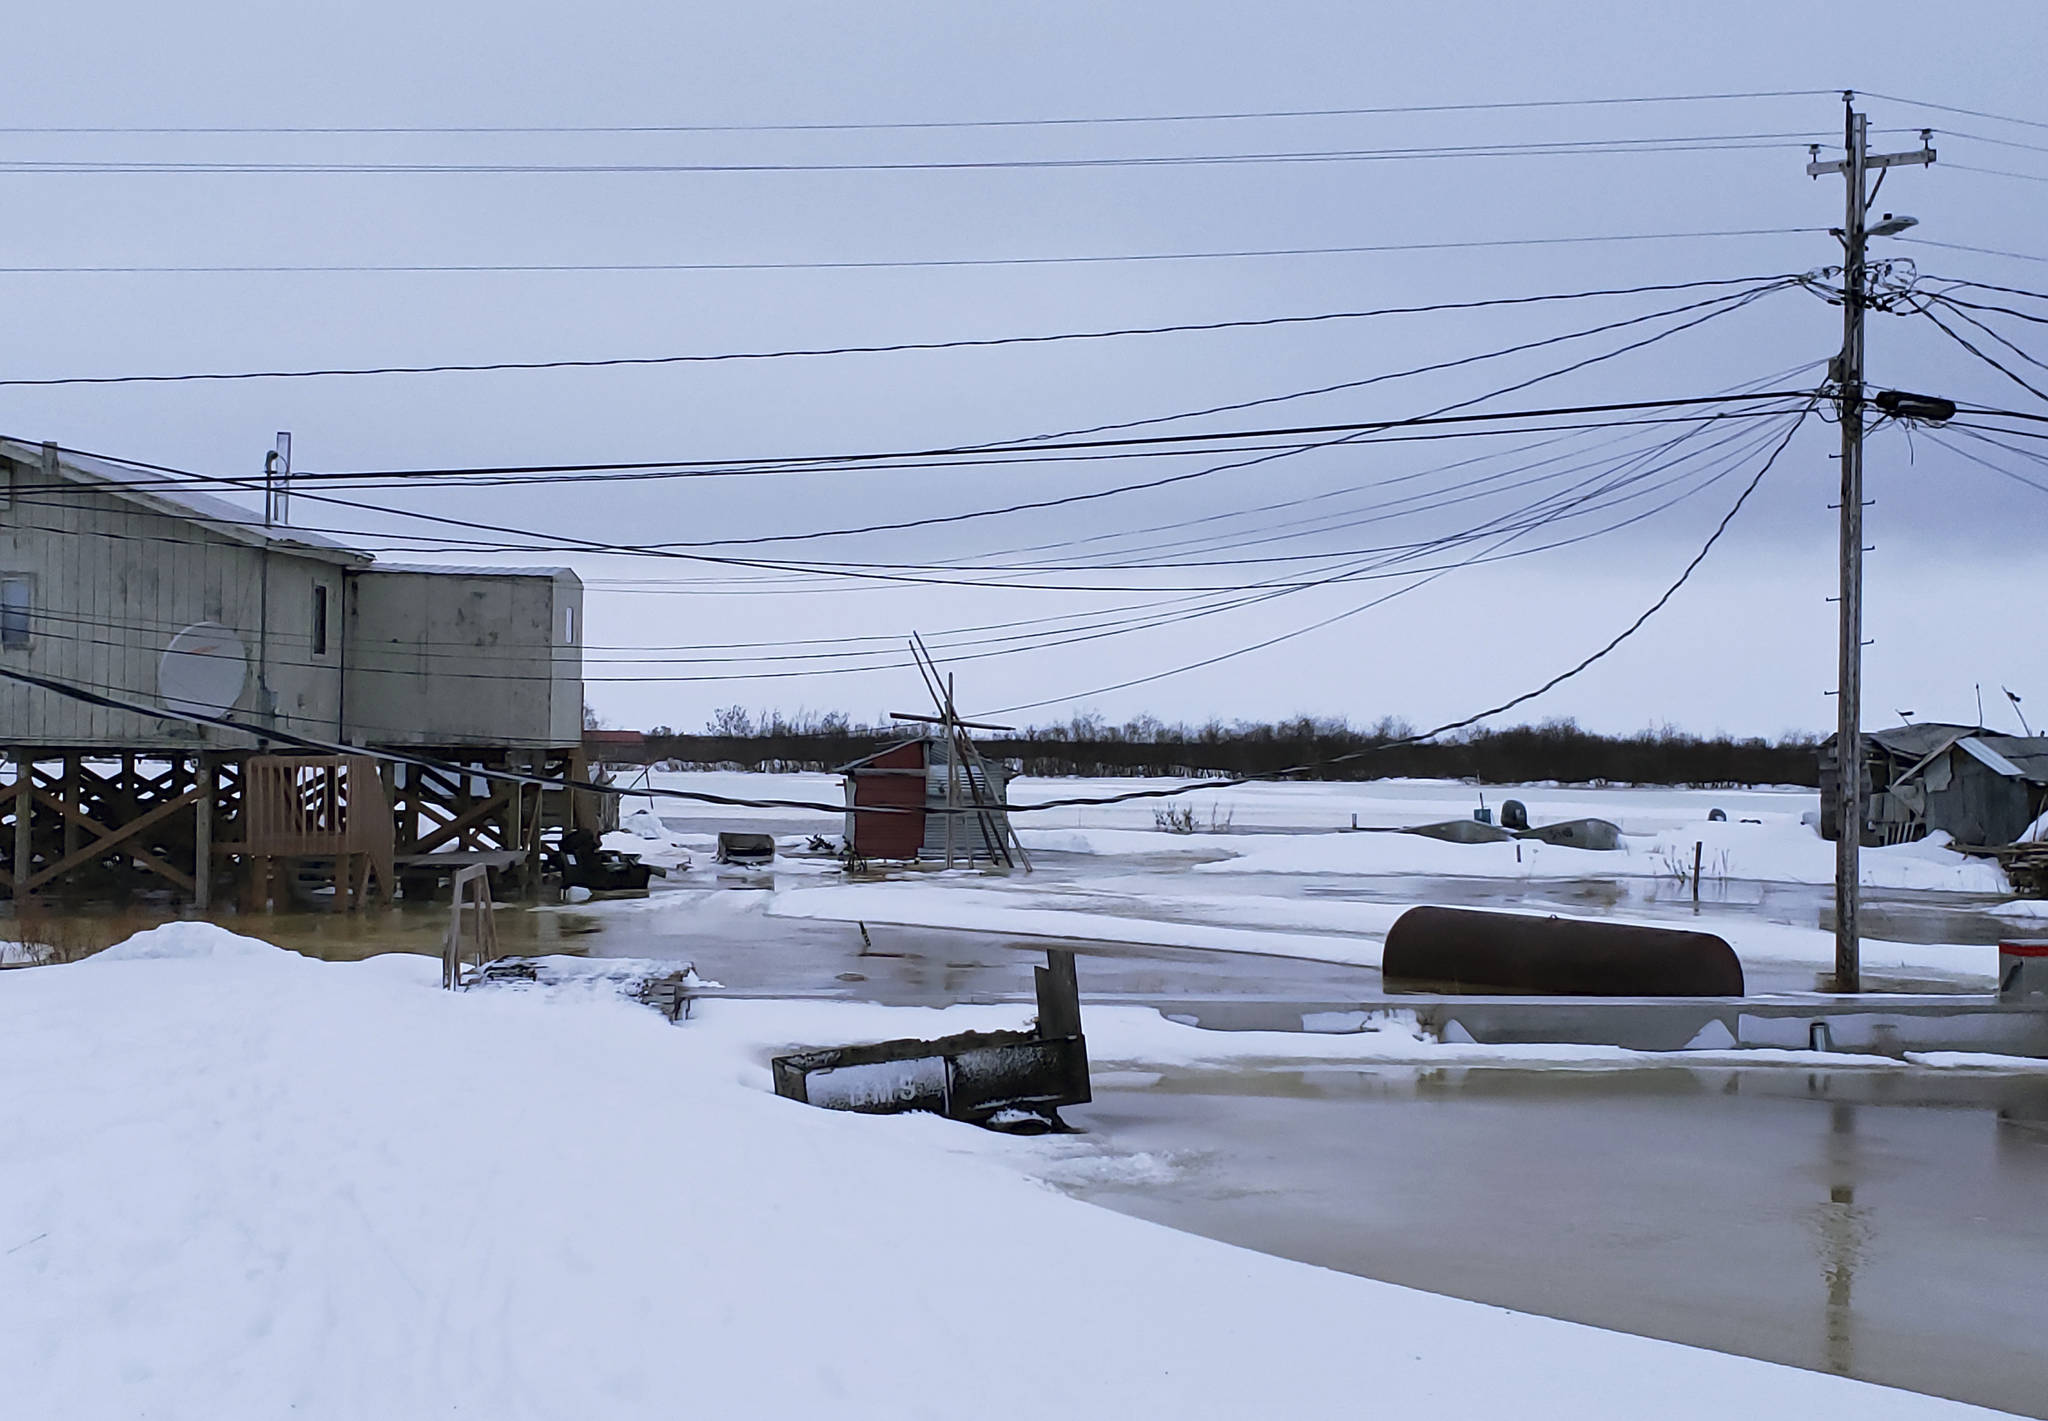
(113, 838)
(475, 814)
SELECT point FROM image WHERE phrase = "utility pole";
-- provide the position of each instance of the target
(1856, 163)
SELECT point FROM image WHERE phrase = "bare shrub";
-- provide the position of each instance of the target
(35, 935)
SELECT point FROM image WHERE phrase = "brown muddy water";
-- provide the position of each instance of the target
(1887, 1226)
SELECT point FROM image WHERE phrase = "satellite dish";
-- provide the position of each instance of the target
(203, 670)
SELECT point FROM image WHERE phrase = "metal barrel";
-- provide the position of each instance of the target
(1462, 950)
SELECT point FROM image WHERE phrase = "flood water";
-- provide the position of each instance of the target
(1891, 1227)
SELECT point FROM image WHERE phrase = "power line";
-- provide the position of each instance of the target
(1561, 148)
(968, 460)
(892, 348)
(893, 265)
(1965, 247)
(866, 572)
(1034, 505)
(530, 542)
(831, 127)
(78, 693)
(1997, 172)
(1951, 108)
(1982, 462)
(1961, 310)
(1995, 142)
(1567, 435)
(1465, 721)
(1546, 511)
(1984, 356)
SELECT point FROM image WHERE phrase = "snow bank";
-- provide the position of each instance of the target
(248, 1185)
(1150, 912)
(185, 941)
(2022, 910)
(1133, 843)
(1773, 853)
(994, 910)
(1977, 1061)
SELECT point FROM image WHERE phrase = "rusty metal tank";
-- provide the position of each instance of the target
(1464, 950)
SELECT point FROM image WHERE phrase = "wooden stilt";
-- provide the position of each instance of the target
(24, 842)
(202, 837)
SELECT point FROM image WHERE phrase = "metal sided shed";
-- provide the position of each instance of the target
(1978, 786)
(896, 800)
(123, 582)
(462, 656)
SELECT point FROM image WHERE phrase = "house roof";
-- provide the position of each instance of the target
(450, 569)
(2028, 752)
(866, 760)
(1975, 748)
(2016, 757)
(1920, 739)
(147, 489)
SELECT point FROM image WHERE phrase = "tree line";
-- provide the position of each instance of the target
(1558, 749)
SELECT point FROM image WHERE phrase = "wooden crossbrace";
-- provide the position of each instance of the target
(114, 838)
(470, 818)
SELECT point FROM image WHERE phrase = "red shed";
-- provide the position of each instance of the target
(911, 777)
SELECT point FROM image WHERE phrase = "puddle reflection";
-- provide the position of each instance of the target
(1886, 1226)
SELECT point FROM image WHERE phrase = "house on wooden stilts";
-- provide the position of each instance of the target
(122, 583)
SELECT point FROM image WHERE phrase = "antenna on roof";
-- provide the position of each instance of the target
(277, 482)
(2016, 709)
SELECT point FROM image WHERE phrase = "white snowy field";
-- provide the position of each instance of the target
(1150, 911)
(1298, 827)
(1122, 880)
(241, 1183)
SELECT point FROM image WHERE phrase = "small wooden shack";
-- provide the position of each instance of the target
(897, 805)
(1978, 786)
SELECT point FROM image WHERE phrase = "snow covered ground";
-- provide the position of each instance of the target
(1115, 877)
(1761, 839)
(240, 1183)
(1151, 912)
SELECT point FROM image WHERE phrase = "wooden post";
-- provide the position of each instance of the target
(534, 762)
(24, 845)
(202, 837)
(472, 891)
(952, 795)
(1698, 848)
(1059, 995)
(74, 767)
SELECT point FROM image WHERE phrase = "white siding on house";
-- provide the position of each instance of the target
(112, 581)
(474, 656)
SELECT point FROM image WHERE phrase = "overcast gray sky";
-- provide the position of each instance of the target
(1747, 646)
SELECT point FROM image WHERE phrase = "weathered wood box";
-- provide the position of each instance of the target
(972, 1076)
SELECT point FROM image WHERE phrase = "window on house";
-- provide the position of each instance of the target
(568, 626)
(319, 620)
(15, 607)
(6, 483)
